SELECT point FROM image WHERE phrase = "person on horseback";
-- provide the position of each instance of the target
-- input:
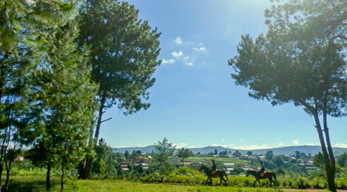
(214, 167)
(262, 168)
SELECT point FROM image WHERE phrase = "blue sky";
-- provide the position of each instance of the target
(195, 102)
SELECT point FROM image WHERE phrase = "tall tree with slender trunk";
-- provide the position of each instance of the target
(301, 59)
(46, 92)
(124, 53)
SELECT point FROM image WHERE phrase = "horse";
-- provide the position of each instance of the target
(217, 173)
(267, 174)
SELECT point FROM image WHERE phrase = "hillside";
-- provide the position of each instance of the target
(277, 151)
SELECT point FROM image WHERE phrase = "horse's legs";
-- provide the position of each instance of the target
(206, 180)
(222, 179)
(225, 181)
(255, 183)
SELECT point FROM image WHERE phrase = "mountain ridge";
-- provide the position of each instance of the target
(287, 150)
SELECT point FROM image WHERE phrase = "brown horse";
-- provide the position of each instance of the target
(267, 175)
(215, 174)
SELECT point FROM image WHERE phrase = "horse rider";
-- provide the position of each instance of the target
(262, 168)
(214, 167)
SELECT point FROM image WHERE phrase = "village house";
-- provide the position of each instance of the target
(230, 167)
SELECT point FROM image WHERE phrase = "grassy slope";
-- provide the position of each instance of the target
(37, 183)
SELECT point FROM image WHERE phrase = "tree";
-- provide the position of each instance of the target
(342, 159)
(300, 60)
(278, 160)
(269, 155)
(41, 72)
(160, 157)
(64, 96)
(215, 152)
(297, 155)
(104, 163)
(123, 58)
(318, 160)
(184, 153)
(237, 153)
(249, 153)
(126, 154)
(223, 153)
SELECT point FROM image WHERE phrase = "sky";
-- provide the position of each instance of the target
(194, 101)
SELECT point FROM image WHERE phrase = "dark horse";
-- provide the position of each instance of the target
(267, 174)
(216, 174)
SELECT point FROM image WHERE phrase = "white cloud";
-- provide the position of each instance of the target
(296, 141)
(223, 140)
(189, 63)
(170, 61)
(186, 58)
(177, 54)
(180, 145)
(178, 41)
(242, 140)
(200, 49)
(341, 145)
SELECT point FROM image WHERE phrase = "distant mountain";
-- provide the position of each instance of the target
(307, 149)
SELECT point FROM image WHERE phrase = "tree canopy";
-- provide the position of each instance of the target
(301, 59)
(123, 58)
(160, 157)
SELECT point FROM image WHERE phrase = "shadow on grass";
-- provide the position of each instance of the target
(31, 184)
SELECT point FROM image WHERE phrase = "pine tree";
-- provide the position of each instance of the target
(123, 58)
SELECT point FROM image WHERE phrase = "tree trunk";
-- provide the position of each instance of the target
(48, 181)
(1, 169)
(328, 166)
(7, 177)
(81, 169)
(62, 177)
(89, 162)
(331, 159)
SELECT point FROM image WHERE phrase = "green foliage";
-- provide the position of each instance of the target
(99, 166)
(160, 157)
(123, 58)
(300, 60)
(104, 163)
(44, 79)
(237, 153)
(318, 160)
(278, 160)
(342, 159)
(184, 153)
(269, 155)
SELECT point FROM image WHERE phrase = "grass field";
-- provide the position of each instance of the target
(37, 183)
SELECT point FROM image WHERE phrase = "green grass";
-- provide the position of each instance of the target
(37, 183)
